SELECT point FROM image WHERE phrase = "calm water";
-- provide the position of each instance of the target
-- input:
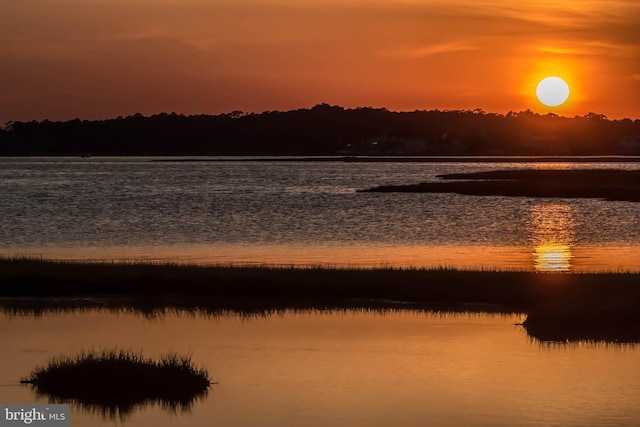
(348, 369)
(300, 213)
(319, 368)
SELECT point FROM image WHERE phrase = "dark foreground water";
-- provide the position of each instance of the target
(347, 369)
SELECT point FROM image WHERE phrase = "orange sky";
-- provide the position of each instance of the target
(103, 58)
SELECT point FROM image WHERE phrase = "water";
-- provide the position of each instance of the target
(353, 368)
(347, 369)
(300, 213)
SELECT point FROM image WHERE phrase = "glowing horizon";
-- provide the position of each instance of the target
(103, 59)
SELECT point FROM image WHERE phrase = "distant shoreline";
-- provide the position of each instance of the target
(328, 131)
(417, 159)
(342, 159)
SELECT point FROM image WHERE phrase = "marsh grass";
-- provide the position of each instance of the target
(171, 285)
(560, 305)
(604, 322)
(115, 382)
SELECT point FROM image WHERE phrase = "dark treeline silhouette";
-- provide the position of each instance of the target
(328, 130)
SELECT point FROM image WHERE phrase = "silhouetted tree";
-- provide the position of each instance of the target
(322, 130)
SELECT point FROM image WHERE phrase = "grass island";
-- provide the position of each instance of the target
(118, 381)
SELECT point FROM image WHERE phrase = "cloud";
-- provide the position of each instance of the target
(559, 50)
(431, 50)
(589, 48)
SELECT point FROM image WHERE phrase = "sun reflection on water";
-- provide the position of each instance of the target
(552, 235)
(552, 257)
(552, 166)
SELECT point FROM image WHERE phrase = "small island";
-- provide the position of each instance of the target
(605, 184)
(116, 382)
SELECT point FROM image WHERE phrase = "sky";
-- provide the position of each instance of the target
(95, 59)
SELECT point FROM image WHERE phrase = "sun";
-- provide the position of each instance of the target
(552, 91)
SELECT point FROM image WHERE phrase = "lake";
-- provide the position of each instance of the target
(351, 368)
(302, 213)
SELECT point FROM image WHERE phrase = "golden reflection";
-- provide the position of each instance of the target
(552, 257)
(552, 235)
(552, 166)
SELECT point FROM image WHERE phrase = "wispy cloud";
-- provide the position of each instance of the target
(589, 48)
(559, 50)
(430, 50)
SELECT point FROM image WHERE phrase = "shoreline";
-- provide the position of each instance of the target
(345, 158)
(415, 159)
(37, 277)
(46, 279)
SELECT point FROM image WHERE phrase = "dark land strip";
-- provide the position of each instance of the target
(327, 130)
(418, 159)
(560, 306)
(605, 184)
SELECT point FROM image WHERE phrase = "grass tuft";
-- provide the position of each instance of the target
(117, 381)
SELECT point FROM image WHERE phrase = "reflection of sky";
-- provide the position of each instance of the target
(552, 235)
(348, 368)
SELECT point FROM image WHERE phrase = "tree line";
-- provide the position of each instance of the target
(327, 130)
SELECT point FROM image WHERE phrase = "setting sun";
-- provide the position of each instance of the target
(103, 59)
(552, 91)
